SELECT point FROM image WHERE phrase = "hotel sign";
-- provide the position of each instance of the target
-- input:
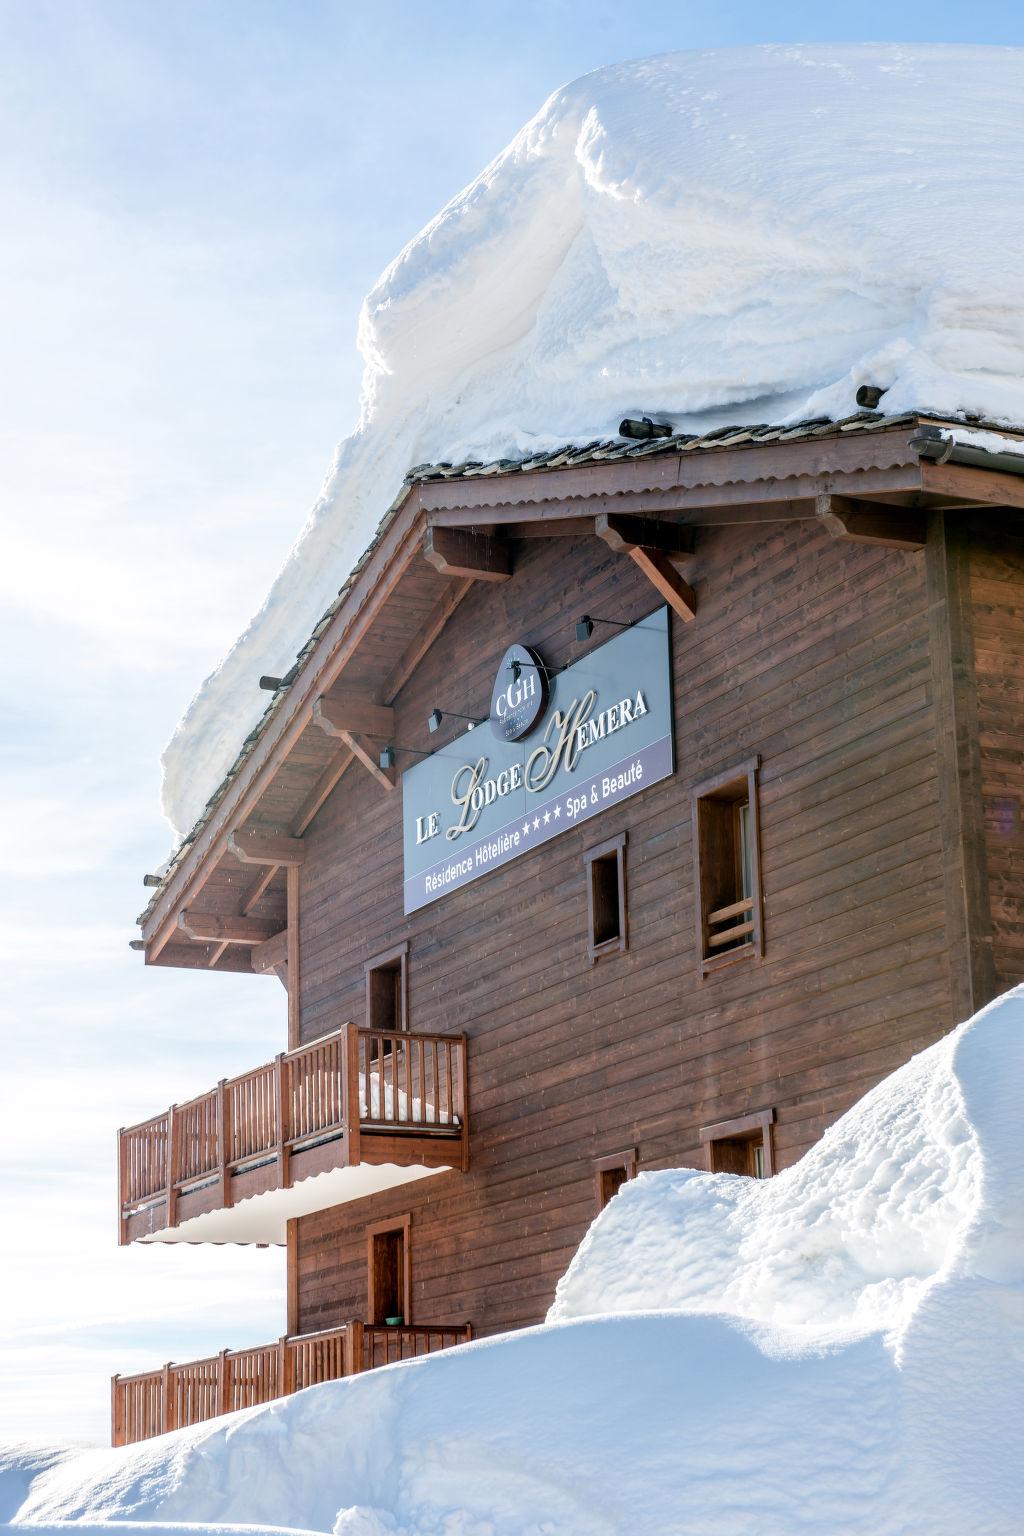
(589, 737)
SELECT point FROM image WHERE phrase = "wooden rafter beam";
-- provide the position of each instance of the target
(970, 484)
(550, 528)
(459, 552)
(625, 534)
(254, 847)
(214, 928)
(256, 892)
(342, 759)
(341, 712)
(418, 647)
(872, 522)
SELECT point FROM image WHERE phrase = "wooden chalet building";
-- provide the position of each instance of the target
(740, 828)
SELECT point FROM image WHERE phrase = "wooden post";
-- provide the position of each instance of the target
(173, 1137)
(122, 1187)
(116, 1414)
(352, 1095)
(353, 1348)
(223, 1383)
(958, 754)
(292, 1276)
(283, 1373)
(294, 981)
(224, 1133)
(166, 1416)
(282, 1085)
(464, 1100)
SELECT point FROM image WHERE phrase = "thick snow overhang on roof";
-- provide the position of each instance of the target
(914, 459)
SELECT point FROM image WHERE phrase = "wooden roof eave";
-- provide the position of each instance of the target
(398, 546)
(778, 479)
(863, 463)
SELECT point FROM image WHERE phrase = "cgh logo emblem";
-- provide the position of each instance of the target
(520, 694)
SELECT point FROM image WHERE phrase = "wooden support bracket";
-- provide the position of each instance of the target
(459, 552)
(340, 712)
(367, 753)
(266, 848)
(872, 522)
(213, 928)
(664, 577)
(626, 534)
(336, 722)
(266, 957)
(653, 546)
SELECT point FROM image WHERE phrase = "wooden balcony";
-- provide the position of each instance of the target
(155, 1402)
(354, 1112)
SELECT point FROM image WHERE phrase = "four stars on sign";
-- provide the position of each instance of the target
(536, 823)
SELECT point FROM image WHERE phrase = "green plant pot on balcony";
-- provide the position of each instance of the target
(394, 1322)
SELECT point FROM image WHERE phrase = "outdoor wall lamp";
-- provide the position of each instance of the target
(437, 715)
(387, 754)
(585, 626)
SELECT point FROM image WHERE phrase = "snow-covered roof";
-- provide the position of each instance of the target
(739, 236)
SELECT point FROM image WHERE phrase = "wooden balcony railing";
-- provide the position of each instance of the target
(369, 1095)
(155, 1402)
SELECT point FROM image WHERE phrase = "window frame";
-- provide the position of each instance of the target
(745, 774)
(386, 961)
(601, 851)
(375, 1229)
(626, 1160)
(741, 1129)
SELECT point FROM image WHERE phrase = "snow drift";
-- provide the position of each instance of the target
(720, 237)
(839, 1350)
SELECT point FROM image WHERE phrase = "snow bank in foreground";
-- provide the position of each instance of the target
(852, 1235)
(847, 1357)
(720, 237)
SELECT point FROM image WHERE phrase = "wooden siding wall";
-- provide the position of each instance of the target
(997, 622)
(813, 653)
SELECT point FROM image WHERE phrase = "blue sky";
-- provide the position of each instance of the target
(195, 198)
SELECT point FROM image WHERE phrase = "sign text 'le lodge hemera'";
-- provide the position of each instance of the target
(561, 748)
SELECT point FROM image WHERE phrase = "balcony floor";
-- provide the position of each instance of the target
(262, 1218)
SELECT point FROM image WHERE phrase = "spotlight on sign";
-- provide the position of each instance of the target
(387, 757)
(585, 626)
(437, 715)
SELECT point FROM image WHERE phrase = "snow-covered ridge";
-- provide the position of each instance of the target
(738, 236)
(840, 1350)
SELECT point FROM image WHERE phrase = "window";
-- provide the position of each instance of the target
(606, 897)
(386, 990)
(741, 1146)
(728, 868)
(610, 1173)
(388, 1288)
